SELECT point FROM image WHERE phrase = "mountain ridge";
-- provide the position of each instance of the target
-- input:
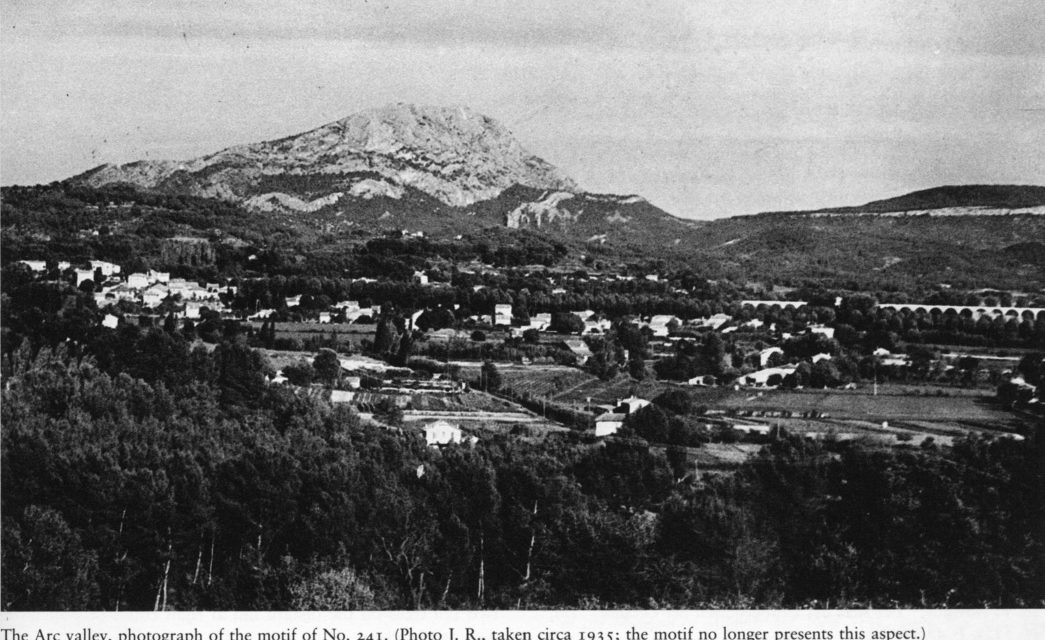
(403, 166)
(454, 154)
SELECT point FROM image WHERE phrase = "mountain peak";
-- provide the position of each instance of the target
(453, 154)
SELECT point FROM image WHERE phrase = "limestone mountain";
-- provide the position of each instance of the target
(403, 166)
(454, 155)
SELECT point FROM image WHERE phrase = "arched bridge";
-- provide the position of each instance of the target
(976, 312)
(783, 304)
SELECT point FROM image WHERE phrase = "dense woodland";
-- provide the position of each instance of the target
(121, 492)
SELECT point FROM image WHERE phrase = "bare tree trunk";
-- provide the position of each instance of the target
(199, 561)
(161, 591)
(166, 572)
(533, 541)
(482, 567)
(446, 589)
(210, 563)
(420, 591)
(120, 559)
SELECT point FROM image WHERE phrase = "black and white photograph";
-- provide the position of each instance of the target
(555, 305)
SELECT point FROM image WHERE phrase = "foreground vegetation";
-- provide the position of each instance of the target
(132, 493)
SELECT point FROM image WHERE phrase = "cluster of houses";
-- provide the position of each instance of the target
(148, 289)
(345, 310)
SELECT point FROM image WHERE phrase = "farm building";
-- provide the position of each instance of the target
(579, 348)
(771, 377)
(608, 424)
(502, 314)
(631, 404)
(441, 433)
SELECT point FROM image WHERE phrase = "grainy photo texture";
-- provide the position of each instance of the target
(342, 305)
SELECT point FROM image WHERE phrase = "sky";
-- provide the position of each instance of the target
(708, 108)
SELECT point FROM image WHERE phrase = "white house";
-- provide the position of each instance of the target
(714, 322)
(159, 276)
(108, 268)
(293, 301)
(420, 277)
(898, 360)
(193, 308)
(608, 424)
(502, 314)
(110, 321)
(821, 356)
(138, 280)
(540, 321)
(121, 292)
(579, 349)
(761, 378)
(83, 275)
(37, 266)
(633, 404)
(765, 354)
(819, 329)
(659, 325)
(702, 381)
(155, 294)
(324, 317)
(337, 396)
(441, 433)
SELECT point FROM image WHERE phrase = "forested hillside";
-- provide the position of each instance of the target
(138, 473)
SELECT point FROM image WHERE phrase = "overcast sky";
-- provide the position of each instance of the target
(707, 107)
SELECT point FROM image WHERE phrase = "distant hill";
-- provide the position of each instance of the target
(994, 196)
(962, 199)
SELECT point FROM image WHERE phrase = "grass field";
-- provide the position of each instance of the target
(303, 331)
(964, 409)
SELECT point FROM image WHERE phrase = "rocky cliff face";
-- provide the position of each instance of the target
(454, 155)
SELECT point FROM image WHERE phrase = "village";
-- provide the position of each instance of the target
(748, 368)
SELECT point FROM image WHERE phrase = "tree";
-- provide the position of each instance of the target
(46, 566)
(332, 590)
(300, 374)
(637, 368)
(385, 336)
(676, 401)
(713, 353)
(565, 322)
(327, 366)
(388, 412)
(489, 377)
